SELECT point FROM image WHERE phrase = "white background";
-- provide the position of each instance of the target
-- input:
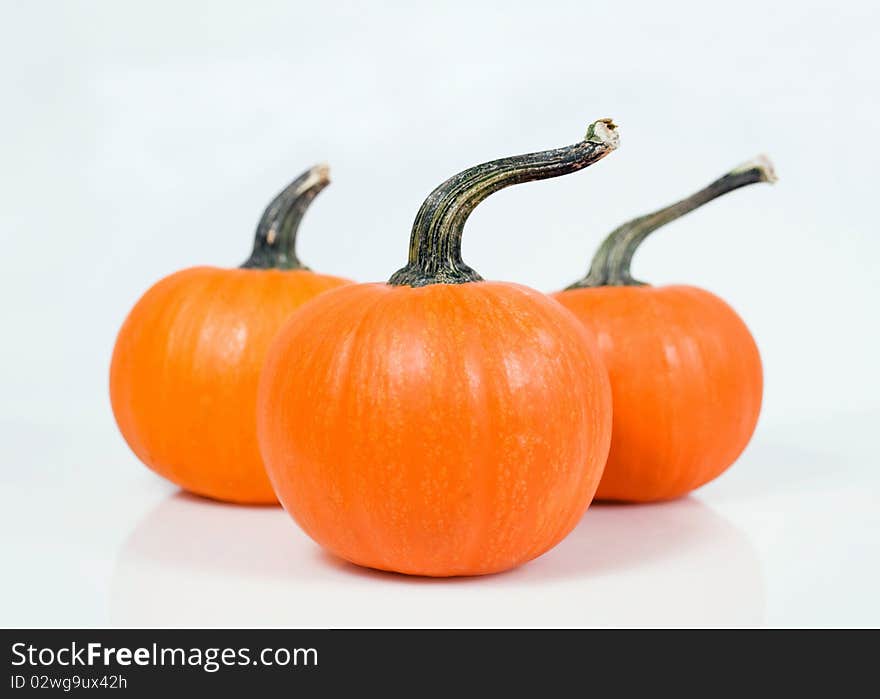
(138, 139)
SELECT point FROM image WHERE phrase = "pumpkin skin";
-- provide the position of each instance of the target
(439, 424)
(184, 374)
(686, 375)
(443, 430)
(186, 364)
(686, 382)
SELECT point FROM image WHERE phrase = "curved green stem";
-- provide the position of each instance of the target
(275, 241)
(435, 242)
(611, 264)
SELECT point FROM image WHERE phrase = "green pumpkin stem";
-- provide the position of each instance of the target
(612, 262)
(275, 240)
(435, 242)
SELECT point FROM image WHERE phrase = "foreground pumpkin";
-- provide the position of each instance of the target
(440, 424)
(184, 374)
(685, 372)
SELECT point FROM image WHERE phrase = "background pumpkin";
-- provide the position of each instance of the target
(685, 372)
(440, 424)
(184, 373)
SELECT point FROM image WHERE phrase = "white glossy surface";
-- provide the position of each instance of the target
(139, 140)
(789, 537)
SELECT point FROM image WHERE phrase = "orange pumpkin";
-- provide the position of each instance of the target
(439, 424)
(685, 372)
(183, 379)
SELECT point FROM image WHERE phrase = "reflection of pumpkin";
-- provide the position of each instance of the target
(196, 563)
(685, 372)
(183, 379)
(439, 424)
